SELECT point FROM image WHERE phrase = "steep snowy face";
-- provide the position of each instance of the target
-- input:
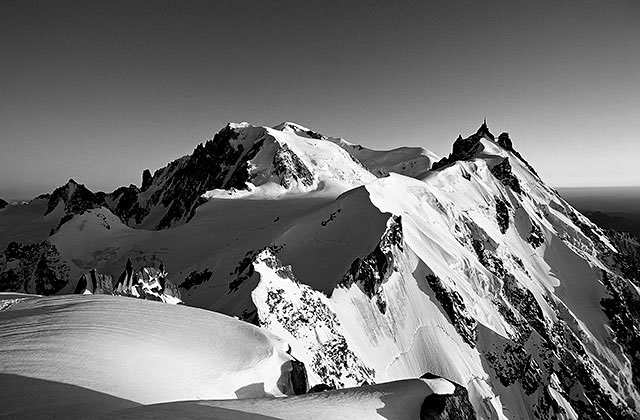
(409, 161)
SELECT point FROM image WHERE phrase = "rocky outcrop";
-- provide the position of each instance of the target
(303, 317)
(536, 237)
(505, 142)
(3, 204)
(149, 283)
(147, 179)
(590, 230)
(298, 375)
(196, 278)
(453, 305)
(320, 388)
(223, 162)
(94, 283)
(503, 172)
(178, 187)
(502, 215)
(370, 272)
(214, 164)
(465, 148)
(454, 406)
(126, 205)
(288, 167)
(76, 198)
(32, 268)
(622, 307)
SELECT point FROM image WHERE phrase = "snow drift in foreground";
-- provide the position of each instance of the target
(93, 350)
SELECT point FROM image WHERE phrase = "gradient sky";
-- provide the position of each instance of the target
(99, 91)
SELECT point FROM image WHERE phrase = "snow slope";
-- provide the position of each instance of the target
(409, 161)
(134, 351)
(393, 401)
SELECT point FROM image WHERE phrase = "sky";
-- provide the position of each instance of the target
(98, 91)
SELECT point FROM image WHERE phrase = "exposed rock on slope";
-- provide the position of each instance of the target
(371, 271)
(72, 198)
(94, 283)
(75, 199)
(502, 171)
(32, 268)
(455, 406)
(302, 317)
(149, 283)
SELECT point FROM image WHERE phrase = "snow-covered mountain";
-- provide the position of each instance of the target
(373, 266)
(409, 161)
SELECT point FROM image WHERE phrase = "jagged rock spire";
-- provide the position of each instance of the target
(483, 127)
(146, 179)
(484, 130)
(505, 141)
(129, 267)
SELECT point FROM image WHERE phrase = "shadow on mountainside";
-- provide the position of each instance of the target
(30, 398)
(185, 410)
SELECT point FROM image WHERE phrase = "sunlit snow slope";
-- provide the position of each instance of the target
(95, 351)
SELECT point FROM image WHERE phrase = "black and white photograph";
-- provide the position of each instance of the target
(320, 210)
